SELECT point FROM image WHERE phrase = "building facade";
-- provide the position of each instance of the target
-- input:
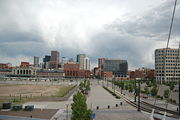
(36, 61)
(167, 64)
(54, 61)
(71, 70)
(50, 73)
(86, 65)
(119, 68)
(24, 72)
(80, 60)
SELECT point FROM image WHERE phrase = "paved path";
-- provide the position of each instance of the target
(100, 97)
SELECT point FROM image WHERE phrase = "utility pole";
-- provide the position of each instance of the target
(135, 92)
(114, 85)
(139, 90)
(67, 113)
(121, 86)
(179, 82)
(179, 99)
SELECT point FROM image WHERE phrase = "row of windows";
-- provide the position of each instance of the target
(158, 58)
(24, 72)
(172, 61)
(167, 78)
(162, 51)
(169, 75)
(168, 71)
(167, 64)
(167, 68)
(162, 55)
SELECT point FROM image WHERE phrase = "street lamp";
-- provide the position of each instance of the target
(138, 91)
(67, 111)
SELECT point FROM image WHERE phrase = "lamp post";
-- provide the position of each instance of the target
(114, 85)
(121, 86)
(67, 111)
(135, 92)
(138, 91)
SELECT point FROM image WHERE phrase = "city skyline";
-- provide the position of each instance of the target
(124, 30)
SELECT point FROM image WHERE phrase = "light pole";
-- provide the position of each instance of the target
(121, 86)
(67, 112)
(135, 92)
(114, 85)
(138, 91)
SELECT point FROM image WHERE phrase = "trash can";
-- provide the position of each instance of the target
(17, 107)
(6, 106)
(29, 108)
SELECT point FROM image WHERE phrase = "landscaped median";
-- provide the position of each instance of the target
(114, 94)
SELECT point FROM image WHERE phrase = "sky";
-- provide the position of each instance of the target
(122, 29)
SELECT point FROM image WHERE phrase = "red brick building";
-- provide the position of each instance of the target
(143, 73)
(5, 66)
(71, 70)
(107, 74)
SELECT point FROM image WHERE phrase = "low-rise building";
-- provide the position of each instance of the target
(50, 73)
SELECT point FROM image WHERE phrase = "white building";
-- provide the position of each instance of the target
(167, 68)
(86, 63)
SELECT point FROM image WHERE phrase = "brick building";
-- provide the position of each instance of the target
(71, 70)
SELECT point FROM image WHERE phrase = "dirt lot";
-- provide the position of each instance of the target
(24, 90)
(19, 94)
(36, 113)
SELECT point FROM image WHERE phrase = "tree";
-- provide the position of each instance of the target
(146, 90)
(130, 88)
(171, 86)
(154, 91)
(81, 86)
(166, 94)
(79, 108)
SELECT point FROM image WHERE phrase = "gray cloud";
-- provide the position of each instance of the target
(154, 24)
(136, 38)
(36, 27)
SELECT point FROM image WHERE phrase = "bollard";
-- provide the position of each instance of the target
(97, 107)
(120, 103)
(108, 106)
(116, 105)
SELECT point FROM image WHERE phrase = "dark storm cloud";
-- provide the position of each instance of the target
(154, 24)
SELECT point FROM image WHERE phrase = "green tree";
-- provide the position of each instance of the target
(166, 94)
(79, 108)
(154, 91)
(146, 90)
(171, 86)
(81, 86)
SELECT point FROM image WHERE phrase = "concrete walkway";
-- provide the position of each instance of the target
(100, 97)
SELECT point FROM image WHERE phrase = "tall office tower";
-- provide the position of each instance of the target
(101, 62)
(54, 61)
(80, 60)
(64, 60)
(46, 61)
(36, 61)
(54, 56)
(167, 68)
(118, 67)
(86, 63)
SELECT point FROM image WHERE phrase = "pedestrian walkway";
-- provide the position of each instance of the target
(100, 97)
